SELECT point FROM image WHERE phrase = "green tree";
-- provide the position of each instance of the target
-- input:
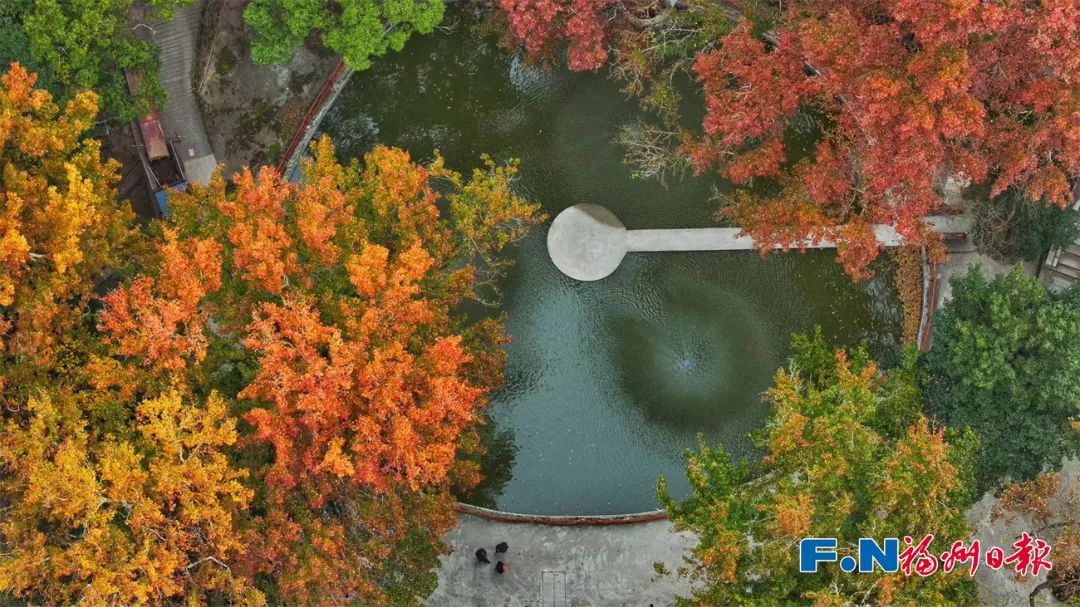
(15, 46)
(357, 29)
(848, 454)
(1006, 363)
(87, 44)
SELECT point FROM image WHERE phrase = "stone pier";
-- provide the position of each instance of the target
(588, 242)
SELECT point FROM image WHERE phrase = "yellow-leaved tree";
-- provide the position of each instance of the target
(107, 520)
(115, 488)
(61, 227)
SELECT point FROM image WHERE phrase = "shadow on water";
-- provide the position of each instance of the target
(496, 466)
(607, 383)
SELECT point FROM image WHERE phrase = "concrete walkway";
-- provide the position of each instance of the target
(588, 242)
(551, 566)
(962, 258)
(178, 40)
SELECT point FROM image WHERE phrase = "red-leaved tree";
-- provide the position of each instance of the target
(907, 93)
(541, 25)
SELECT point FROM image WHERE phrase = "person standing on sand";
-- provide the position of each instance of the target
(501, 548)
(481, 555)
(501, 567)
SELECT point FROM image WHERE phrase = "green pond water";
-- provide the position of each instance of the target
(608, 383)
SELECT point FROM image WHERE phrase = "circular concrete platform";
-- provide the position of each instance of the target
(587, 242)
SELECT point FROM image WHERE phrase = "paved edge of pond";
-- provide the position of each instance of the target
(324, 100)
(563, 561)
(563, 520)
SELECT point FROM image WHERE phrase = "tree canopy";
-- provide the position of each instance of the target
(1006, 363)
(143, 519)
(88, 45)
(1011, 228)
(360, 379)
(358, 29)
(273, 404)
(906, 93)
(15, 46)
(847, 454)
(61, 228)
(540, 25)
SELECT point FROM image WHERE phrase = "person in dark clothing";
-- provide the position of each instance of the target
(501, 548)
(501, 567)
(481, 555)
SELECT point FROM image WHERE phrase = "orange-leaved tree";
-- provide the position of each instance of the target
(116, 489)
(327, 312)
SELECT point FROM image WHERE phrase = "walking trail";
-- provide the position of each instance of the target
(562, 566)
(181, 117)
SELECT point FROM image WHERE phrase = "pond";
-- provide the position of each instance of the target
(609, 382)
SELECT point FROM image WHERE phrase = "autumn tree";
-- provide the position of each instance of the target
(847, 454)
(274, 403)
(1006, 364)
(154, 322)
(540, 26)
(61, 230)
(328, 309)
(115, 485)
(150, 517)
(650, 46)
(1051, 502)
(905, 93)
(357, 29)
